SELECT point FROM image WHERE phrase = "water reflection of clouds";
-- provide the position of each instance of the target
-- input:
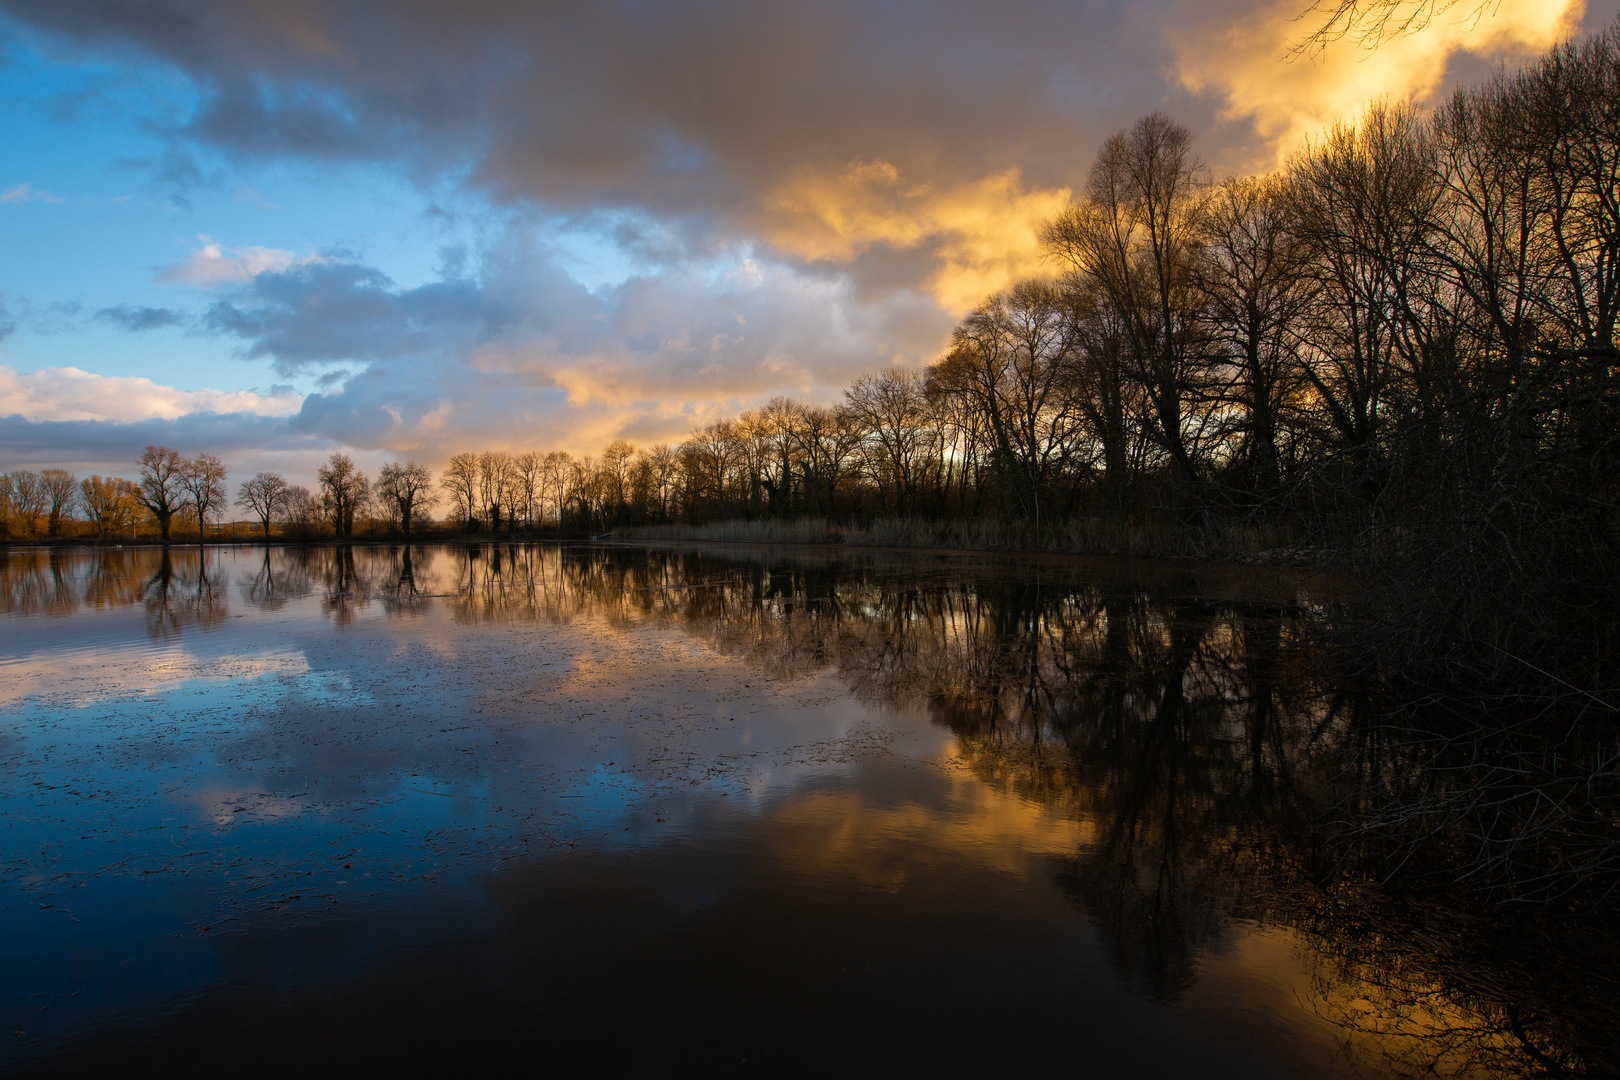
(833, 835)
(380, 718)
(65, 677)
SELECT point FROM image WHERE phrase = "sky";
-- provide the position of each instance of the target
(401, 229)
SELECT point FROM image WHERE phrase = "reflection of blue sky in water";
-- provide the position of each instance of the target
(260, 767)
(288, 788)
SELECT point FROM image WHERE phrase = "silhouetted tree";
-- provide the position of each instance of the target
(59, 488)
(343, 490)
(162, 487)
(460, 482)
(265, 496)
(407, 487)
(203, 478)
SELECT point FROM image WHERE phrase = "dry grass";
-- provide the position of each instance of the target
(809, 530)
(1081, 536)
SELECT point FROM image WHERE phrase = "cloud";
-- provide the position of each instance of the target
(247, 442)
(135, 319)
(715, 121)
(317, 311)
(69, 394)
(213, 265)
(27, 193)
(522, 355)
(1236, 57)
(981, 234)
(69, 418)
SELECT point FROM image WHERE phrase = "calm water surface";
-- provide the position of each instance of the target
(639, 810)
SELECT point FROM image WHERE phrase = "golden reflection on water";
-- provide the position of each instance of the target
(1165, 756)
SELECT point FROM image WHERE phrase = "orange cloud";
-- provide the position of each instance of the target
(1244, 63)
(983, 232)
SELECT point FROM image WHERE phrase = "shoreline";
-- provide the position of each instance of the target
(1296, 572)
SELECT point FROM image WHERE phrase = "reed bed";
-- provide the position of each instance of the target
(1080, 536)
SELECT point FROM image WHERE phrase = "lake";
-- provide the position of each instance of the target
(747, 810)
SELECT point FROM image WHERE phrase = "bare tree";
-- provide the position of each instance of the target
(1370, 23)
(300, 511)
(528, 470)
(264, 495)
(407, 488)
(343, 491)
(59, 488)
(162, 487)
(460, 482)
(494, 479)
(1015, 359)
(1364, 196)
(1136, 237)
(709, 457)
(664, 470)
(26, 499)
(614, 469)
(555, 469)
(203, 478)
(892, 407)
(1252, 275)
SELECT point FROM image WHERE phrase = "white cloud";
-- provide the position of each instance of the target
(55, 394)
(27, 193)
(213, 265)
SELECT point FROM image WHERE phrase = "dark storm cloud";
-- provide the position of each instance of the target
(133, 318)
(680, 108)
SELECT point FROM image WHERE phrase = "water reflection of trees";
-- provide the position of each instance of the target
(1218, 771)
(1220, 776)
(186, 589)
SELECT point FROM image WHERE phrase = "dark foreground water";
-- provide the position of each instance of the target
(637, 811)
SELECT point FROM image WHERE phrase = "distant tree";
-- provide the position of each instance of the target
(614, 471)
(1015, 360)
(161, 488)
(111, 503)
(555, 469)
(406, 489)
(59, 488)
(26, 500)
(203, 478)
(264, 495)
(893, 410)
(528, 470)
(709, 457)
(494, 478)
(300, 511)
(664, 467)
(460, 482)
(584, 488)
(825, 441)
(343, 491)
